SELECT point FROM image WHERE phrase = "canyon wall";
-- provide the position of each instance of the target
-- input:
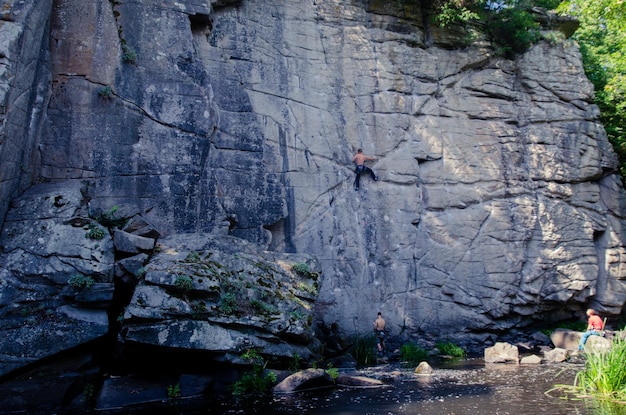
(498, 204)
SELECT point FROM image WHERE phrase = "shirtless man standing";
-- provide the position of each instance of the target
(379, 329)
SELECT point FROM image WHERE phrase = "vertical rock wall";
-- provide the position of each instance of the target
(497, 203)
(24, 92)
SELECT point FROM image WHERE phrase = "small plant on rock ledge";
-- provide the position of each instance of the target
(128, 54)
(95, 232)
(183, 282)
(81, 281)
(304, 270)
(228, 303)
(106, 92)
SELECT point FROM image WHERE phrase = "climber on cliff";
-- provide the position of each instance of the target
(379, 330)
(359, 159)
(595, 325)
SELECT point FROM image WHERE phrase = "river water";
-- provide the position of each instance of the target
(463, 388)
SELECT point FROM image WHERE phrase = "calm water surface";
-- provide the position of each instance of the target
(465, 388)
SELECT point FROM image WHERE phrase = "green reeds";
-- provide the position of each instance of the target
(603, 379)
(604, 375)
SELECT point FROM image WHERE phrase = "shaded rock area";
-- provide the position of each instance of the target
(57, 281)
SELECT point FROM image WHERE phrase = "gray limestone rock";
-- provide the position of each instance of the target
(499, 204)
(502, 353)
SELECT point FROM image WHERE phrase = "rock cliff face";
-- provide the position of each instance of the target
(498, 203)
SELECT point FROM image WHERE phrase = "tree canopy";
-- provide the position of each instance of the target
(602, 39)
(601, 35)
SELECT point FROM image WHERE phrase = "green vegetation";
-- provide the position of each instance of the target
(173, 391)
(95, 232)
(106, 92)
(333, 372)
(228, 303)
(89, 391)
(602, 40)
(304, 270)
(110, 219)
(412, 354)
(510, 24)
(300, 268)
(363, 350)
(296, 363)
(256, 382)
(603, 378)
(183, 282)
(308, 288)
(262, 307)
(450, 349)
(80, 281)
(128, 54)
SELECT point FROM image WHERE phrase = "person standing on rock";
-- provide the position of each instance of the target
(379, 329)
(594, 327)
(359, 159)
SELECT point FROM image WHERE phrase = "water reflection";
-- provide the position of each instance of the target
(462, 388)
(483, 389)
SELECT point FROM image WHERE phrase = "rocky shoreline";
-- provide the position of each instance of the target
(73, 383)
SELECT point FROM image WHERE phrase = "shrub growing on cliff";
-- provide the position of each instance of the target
(228, 303)
(183, 282)
(95, 232)
(128, 54)
(80, 281)
(106, 92)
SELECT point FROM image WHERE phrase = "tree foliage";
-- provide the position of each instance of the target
(511, 26)
(602, 39)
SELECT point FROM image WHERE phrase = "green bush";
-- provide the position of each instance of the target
(106, 92)
(412, 354)
(128, 54)
(95, 232)
(513, 29)
(228, 303)
(110, 219)
(255, 382)
(173, 391)
(183, 282)
(300, 268)
(333, 372)
(81, 281)
(450, 349)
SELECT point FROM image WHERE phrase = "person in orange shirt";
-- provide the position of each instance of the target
(595, 325)
(359, 159)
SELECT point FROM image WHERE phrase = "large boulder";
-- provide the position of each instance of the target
(224, 295)
(304, 379)
(56, 281)
(502, 353)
